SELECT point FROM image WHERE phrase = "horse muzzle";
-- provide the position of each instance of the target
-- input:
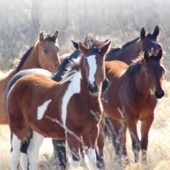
(93, 89)
(159, 95)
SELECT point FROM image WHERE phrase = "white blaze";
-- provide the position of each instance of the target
(91, 60)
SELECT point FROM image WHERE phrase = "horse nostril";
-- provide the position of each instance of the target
(159, 94)
(93, 89)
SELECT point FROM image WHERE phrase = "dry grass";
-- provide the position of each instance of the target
(158, 150)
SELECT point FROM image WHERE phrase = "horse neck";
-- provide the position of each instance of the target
(141, 85)
(32, 60)
(131, 51)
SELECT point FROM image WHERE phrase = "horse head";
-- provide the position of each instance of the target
(149, 42)
(154, 73)
(47, 51)
(94, 57)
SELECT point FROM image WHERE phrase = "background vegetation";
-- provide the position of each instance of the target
(118, 20)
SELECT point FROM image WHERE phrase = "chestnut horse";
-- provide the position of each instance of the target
(132, 97)
(44, 54)
(129, 51)
(40, 107)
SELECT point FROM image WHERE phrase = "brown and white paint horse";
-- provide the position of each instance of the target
(40, 107)
(132, 97)
(44, 54)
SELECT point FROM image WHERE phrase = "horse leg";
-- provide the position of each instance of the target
(90, 143)
(119, 128)
(60, 150)
(132, 125)
(33, 150)
(100, 145)
(15, 152)
(145, 126)
(74, 143)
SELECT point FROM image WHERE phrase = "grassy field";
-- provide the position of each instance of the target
(158, 149)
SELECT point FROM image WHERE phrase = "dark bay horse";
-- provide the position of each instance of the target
(44, 54)
(40, 107)
(132, 97)
(129, 51)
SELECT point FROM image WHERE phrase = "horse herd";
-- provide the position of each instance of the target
(77, 98)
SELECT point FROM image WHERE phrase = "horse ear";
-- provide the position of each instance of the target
(106, 47)
(83, 48)
(55, 35)
(146, 55)
(75, 44)
(159, 55)
(142, 33)
(156, 31)
(41, 36)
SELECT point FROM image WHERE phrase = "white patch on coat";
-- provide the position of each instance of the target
(91, 60)
(73, 88)
(42, 108)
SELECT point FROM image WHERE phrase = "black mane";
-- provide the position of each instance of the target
(64, 65)
(23, 59)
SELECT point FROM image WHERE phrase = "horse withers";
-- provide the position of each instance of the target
(44, 54)
(68, 109)
(132, 97)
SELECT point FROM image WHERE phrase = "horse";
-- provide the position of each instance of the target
(129, 51)
(46, 108)
(131, 97)
(44, 54)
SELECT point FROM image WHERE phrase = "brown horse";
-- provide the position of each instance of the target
(44, 54)
(40, 107)
(129, 51)
(132, 97)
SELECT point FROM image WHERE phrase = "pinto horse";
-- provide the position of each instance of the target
(132, 97)
(40, 107)
(44, 54)
(129, 51)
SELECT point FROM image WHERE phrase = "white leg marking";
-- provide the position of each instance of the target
(74, 164)
(15, 154)
(33, 150)
(23, 161)
(90, 159)
(73, 88)
(91, 60)
(41, 109)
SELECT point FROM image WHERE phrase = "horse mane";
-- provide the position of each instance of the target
(71, 69)
(68, 67)
(23, 59)
(63, 66)
(130, 42)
